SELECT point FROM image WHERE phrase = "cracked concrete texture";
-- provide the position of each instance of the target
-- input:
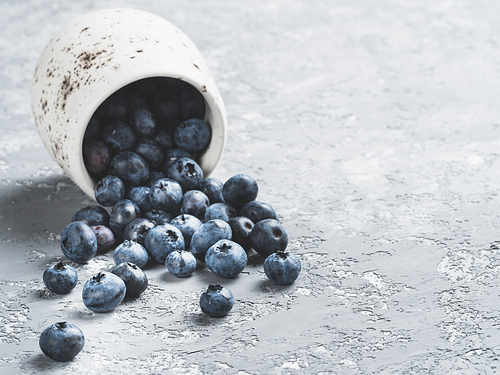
(372, 129)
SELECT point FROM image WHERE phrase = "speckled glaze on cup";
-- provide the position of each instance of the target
(97, 54)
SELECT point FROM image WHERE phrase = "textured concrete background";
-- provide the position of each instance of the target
(373, 128)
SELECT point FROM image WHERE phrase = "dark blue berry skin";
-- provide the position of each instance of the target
(96, 156)
(122, 214)
(192, 135)
(257, 211)
(185, 171)
(140, 196)
(92, 215)
(153, 177)
(192, 103)
(132, 252)
(172, 155)
(222, 211)
(180, 263)
(105, 238)
(61, 341)
(217, 301)
(137, 230)
(104, 292)
(114, 107)
(158, 217)
(282, 268)
(150, 151)
(212, 187)
(187, 224)
(162, 240)
(118, 136)
(208, 234)
(129, 167)
(166, 104)
(239, 190)
(143, 122)
(136, 101)
(60, 279)
(226, 259)
(109, 190)
(166, 195)
(195, 203)
(241, 228)
(163, 138)
(136, 281)
(78, 242)
(268, 236)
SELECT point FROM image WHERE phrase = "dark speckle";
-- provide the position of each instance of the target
(85, 29)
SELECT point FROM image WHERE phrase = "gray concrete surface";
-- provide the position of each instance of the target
(373, 128)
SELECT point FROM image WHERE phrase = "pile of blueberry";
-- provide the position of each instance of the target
(155, 205)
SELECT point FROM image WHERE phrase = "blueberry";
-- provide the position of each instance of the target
(132, 252)
(105, 238)
(161, 240)
(185, 171)
(136, 101)
(78, 242)
(226, 259)
(118, 136)
(241, 227)
(217, 301)
(140, 196)
(192, 135)
(180, 263)
(143, 122)
(61, 341)
(192, 103)
(150, 151)
(257, 211)
(153, 177)
(166, 103)
(166, 195)
(114, 107)
(239, 190)
(208, 234)
(137, 230)
(172, 155)
(158, 217)
(212, 187)
(109, 190)
(195, 203)
(187, 224)
(92, 215)
(222, 211)
(129, 167)
(163, 138)
(96, 156)
(282, 268)
(60, 278)
(136, 281)
(104, 292)
(122, 214)
(268, 236)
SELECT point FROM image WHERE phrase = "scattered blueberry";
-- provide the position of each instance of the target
(136, 281)
(104, 292)
(163, 138)
(61, 341)
(192, 135)
(92, 215)
(185, 171)
(187, 224)
(60, 278)
(153, 177)
(109, 190)
(222, 211)
(78, 242)
(129, 167)
(150, 151)
(212, 187)
(268, 236)
(282, 268)
(166, 195)
(118, 136)
(114, 107)
(208, 234)
(140, 196)
(122, 214)
(137, 230)
(143, 122)
(239, 190)
(257, 211)
(96, 156)
(158, 217)
(161, 240)
(192, 103)
(226, 259)
(217, 301)
(241, 228)
(195, 203)
(180, 263)
(132, 252)
(105, 238)
(172, 155)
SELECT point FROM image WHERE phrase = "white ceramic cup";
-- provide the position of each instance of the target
(97, 54)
